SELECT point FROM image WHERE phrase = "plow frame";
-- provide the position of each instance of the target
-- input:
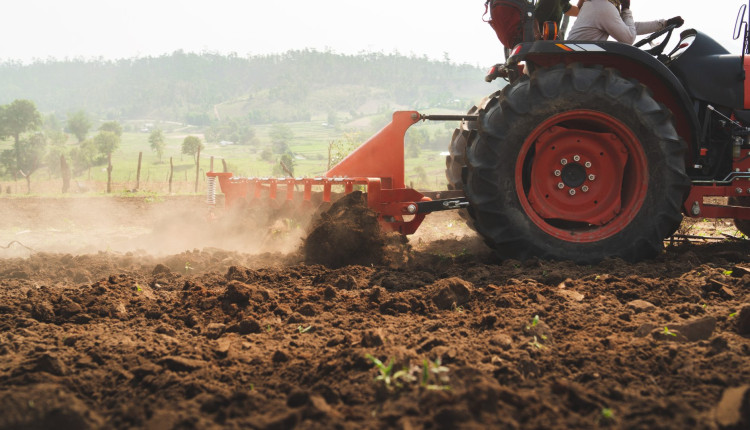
(377, 166)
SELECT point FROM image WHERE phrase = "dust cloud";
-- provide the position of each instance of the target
(154, 225)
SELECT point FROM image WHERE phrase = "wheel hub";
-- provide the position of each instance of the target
(573, 175)
(577, 175)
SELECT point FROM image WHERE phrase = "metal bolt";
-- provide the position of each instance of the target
(558, 173)
(412, 208)
(588, 164)
(576, 158)
(560, 185)
(564, 161)
(572, 192)
(695, 209)
(739, 190)
(585, 188)
(592, 177)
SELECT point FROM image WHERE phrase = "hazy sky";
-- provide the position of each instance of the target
(42, 29)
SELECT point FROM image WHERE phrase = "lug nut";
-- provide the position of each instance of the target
(588, 164)
(564, 161)
(572, 192)
(739, 190)
(576, 158)
(558, 173)
(585, 188)
(560, 185)
(592, 177)
(412, 208)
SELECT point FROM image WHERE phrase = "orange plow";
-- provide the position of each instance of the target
(377, 166)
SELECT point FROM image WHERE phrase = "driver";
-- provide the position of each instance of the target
(600, 19)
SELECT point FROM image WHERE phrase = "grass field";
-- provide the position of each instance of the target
(309, 145)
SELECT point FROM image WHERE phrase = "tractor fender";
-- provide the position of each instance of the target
(632, 63)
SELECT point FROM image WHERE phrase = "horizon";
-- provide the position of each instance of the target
(92, 30)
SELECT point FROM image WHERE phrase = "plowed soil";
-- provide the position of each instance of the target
(135, 313)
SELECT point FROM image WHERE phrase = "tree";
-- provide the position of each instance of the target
(280, 135)
(79, 124)
(190, 146)
(158, 144)
(106, 142)
(29, 160)
(16, 119)
(112, 126)
(84, 156)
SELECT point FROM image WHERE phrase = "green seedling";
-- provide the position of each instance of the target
(667, 332)
(434, 371)
(727, 273)
(733, 314)
(534, 322)
(386, 374)
(535, 343)
(188, 268)
(704, 306)
(607, 414)
(303, 329)
(138, 288)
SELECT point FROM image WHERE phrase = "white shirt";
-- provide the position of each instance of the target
(599, 19)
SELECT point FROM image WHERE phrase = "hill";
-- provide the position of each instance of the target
(201, 88)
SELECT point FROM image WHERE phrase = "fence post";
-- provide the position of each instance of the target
(171, 171)
(138, 173)
(197, 167)
(65, 170)
(109, 173)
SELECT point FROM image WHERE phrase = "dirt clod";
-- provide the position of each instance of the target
(349, 233)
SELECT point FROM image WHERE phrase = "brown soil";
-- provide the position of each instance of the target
(127, 313)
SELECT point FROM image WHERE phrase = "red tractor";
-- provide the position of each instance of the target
(592, 150)
(597, 149)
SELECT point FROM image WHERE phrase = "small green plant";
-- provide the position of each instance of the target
(268, 327)
(667, 332)
(188, 268)
(535, 343)
(534, 322)
(733, 314)
(392, 380)
(704, 306)
(303, 329)
(607, 414)
(727, 273)
(138, 287)
(434, 375)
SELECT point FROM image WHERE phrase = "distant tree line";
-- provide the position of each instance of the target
(40, 142)
(185, 87)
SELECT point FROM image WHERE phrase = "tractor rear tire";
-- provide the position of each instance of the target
(576, 163)
(455, 161)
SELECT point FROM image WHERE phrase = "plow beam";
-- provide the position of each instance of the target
(376, 167)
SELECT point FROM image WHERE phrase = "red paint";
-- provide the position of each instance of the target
(615, 193)
(377, 165)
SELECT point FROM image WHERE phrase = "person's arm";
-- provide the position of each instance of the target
(648, 27)
(569, 9)
(620, 26)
